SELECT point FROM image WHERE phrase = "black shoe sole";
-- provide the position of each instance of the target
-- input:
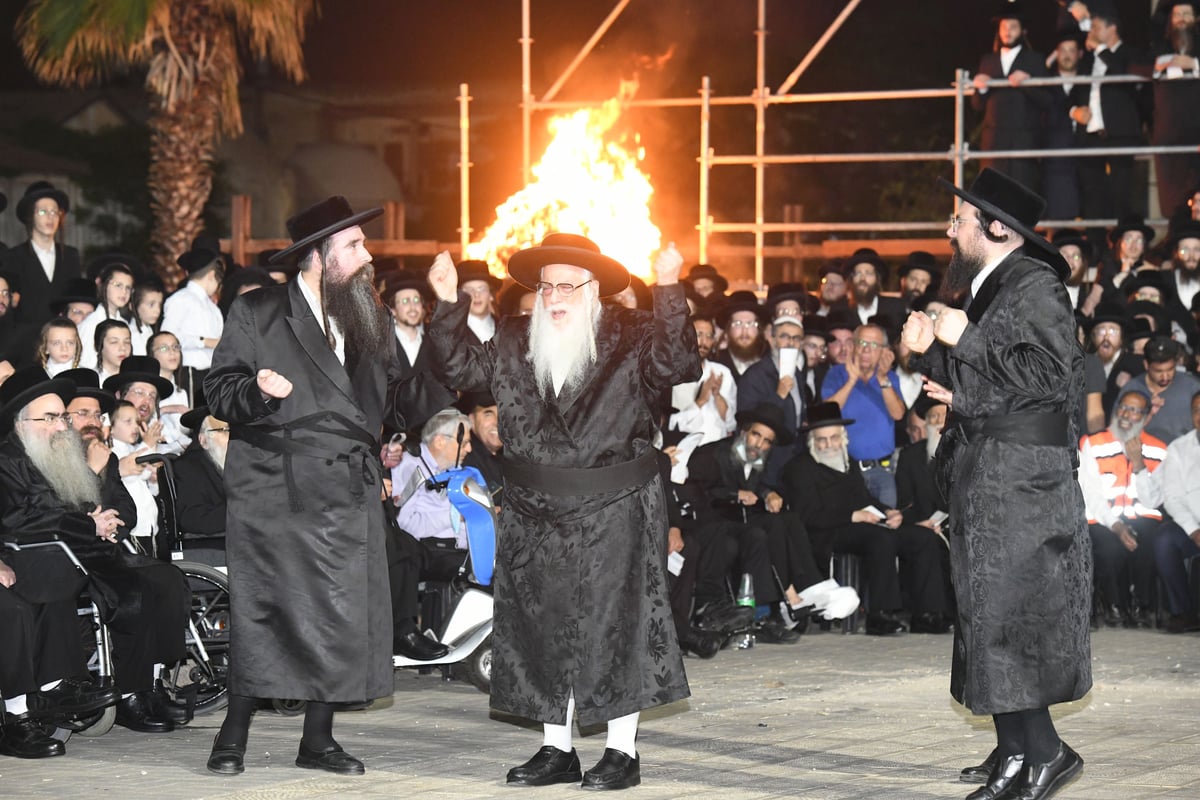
(308, 763)
(562, 777)
(624, 784)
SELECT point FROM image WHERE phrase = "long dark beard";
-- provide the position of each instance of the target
(751, 353)
(63, 463)
(356, 308)
(959, 274)
(1183, 40)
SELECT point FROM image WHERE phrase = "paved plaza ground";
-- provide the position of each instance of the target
(834, 717)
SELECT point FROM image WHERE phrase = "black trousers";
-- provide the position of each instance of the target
(41, 643)
(1117, 568)
(752, 556)
(1106, 182)
(919, 553)
(790, 548)
(405, 556)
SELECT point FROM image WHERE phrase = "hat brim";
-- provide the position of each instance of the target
(294, 248)
(525, 267)
(62, 387)
(826, 423)
(26, 203)
(194, 419)
(1044, 249)
(163, 386)
(782, 437)
(105, 399)
(726, 313)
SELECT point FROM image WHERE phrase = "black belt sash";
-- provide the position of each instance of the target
(1037, 428)
(360, 462)
(573, 481)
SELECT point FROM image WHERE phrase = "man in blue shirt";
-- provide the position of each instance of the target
(866, 389)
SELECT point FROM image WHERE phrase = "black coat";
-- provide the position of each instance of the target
(1012, 117)
(715, 477)
(1020, 554)
(890, 313)
(917, 493)
(36, 291)
(757, 387)
(304, 531)
(200, 494)
(18, 341)
(581, 590)
(419, 376)
(1124, 105)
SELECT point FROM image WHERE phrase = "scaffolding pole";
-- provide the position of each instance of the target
(816, 49)
(705, 164)
(464, 166)
(760, 127)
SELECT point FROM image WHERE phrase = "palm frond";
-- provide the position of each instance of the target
(80, 42)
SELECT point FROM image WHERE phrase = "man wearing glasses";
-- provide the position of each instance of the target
(1185, 255)
(481, 286)
(140, 383)
(43, 266)
(780, 380)
(744, 322)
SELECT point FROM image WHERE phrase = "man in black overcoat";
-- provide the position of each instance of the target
(582, 619)
(1011, 370)
(43, 266)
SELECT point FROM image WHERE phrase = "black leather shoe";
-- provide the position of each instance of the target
(548, 765)
(704, 644)
(1039, 781)
(930, 623)
(139, 712)
(1001, 779)
(614, 770)
(71, 697)
(333, 759)
(980, 772)
(22, 737)
(880, 624)
(227, 759)
(1183, 623)
(419, 647)
(772, 631)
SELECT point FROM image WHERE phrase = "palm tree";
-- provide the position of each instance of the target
(189, 51)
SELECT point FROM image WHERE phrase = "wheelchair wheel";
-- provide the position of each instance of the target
(477, 668)
(204, 671)
(290, 708)
(96, 724)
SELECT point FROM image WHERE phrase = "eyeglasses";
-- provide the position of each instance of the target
(869, 345)
(744, 323)
(86, 414)
(1133, 411)
(1189, 251)
(5, 293)
(52, 418)
(168, 348)
(816, 348)
(956, 221)
(137, 391)
(565, 289)
(49, 212)
(408, 301)
(834, 281)
(789, 338)
(217, 430)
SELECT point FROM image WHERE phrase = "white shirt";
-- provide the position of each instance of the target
(484, 328)
(175, 438)
(1096, 123)
(705, 420)
(192, 316)
(48, 258)
(987, 270)
(411, 345)
(339, 341)
(1181, 494)
(1007, 56)
(866, 312)
(1185, 290)
(138, 487)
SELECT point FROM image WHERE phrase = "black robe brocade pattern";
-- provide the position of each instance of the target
(580, 583)
(1020, 554)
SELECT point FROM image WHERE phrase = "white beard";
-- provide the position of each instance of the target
(63, 462)
(834, 459)
(1125, 436)
(933, 435)
(561, 355)
(216, 454)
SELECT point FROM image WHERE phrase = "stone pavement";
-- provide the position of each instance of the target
(834, 717)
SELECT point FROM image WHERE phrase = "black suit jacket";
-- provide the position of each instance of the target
(824, 497)
(36, 291)
(714, 476)
(1012, 117)
(1124, 105)
(424, 387)
(916, 491)
(891, 312)
(1126, 362)
(200, 494)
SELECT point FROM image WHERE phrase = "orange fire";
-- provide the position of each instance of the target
(586, 182)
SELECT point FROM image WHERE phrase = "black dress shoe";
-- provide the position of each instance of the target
(139, 712)
(1003, 776)
(929, 622)
(22, 737)
(70, 698)
(772, 631)
(1183, 623)
(614, 770)
(418, 647)
(704, 644)
(332, 759)
(1040, 781)
(980, 772)
(227, 759)
(548, 765)
(880, 624)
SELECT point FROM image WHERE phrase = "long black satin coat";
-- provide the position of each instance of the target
(581, 591)
(309, 584)
(1020, 555)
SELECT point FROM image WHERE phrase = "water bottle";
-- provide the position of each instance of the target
(745, 595)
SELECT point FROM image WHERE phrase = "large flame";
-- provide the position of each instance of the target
(586, 182)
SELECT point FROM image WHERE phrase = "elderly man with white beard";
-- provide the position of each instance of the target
(1122, 491)
(200, 476)
(582, 618)
(916, 491)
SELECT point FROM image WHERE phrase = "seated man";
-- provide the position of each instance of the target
(917, 493)
(1179, 539)
(1170, 390)
(1122, 490)
(200, 487)
(487, 450)
(827, 489)
(47, 486)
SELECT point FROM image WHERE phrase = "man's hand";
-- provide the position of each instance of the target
(1017, 77)
(887, 357)
(107, 523)
(1195, 536)
(747, 497)
(1121, 529)
(774, 502)
(443, 277)
(667, 266)
(894, 518)
(7, 576)
(917, 335)
(1133, 451)
(273, 385)
(6, 369)
(1081, 114)
(784, 387)
(949, 325)
(853, 375)
(939, 393)
(980, 81)
(674, 541)
(936, 527)
(863, 515)
(97, 455)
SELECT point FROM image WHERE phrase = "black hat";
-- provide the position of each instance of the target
(395, 281)
(13, 280)
(710, 272)
(1110, 313)
(821, 415)
(770, 415)
(1016, 206)
(37, 191)
(1156, 312)
(865, 255)
(473, 270)
(87, 384)
(1130, 222)
(26, 385)
(1185, 230)
(815, 325)
(1009, 9)
(920, 259)
(923, 403)
(1069, 34)
(204, 251)
(1145, 279)
(509, 301)
(320, 221)
(1142, 329)
(194, 418)
(842, 318)
(1068, 236)
(742, 301)
(834, 266)
(263, 259)
(525, 266)
(246, 276)
(114, 257)
(77, 290)
(140, 369)
(778, 292)
(473, 400)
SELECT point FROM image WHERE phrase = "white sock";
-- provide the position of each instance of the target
(560, 735)
(51, 685)
(622, 734)
(16, 705)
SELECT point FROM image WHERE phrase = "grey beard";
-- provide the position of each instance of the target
(838, 459)
(560, 358)
(1123, 436)
(63, 463)
(356, 308)
(931, 443)
(216, 455)
(741, 458)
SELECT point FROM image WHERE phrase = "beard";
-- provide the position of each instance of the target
(1135, 430)
(962, 270)
(836, 458)
(865, 294)
(561, 355)
(933, 436)
(750, 352)
(216, 454)
(355, 306)
(63, 463)
(1183, 40)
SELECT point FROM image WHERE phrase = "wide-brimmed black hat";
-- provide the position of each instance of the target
(1185, 230)
(1017, 206)
(395, 281)
(720, 285)
(1145, 279)
(140, 369)
(204, 251)
(1069, 34)
(115, 257)
(865, 255)
(37, 191)
(1130, 222)
(814, 325)
(320, 221)
(1110, 313)
(194, 418)
(1140, 328)
(87, 384)
(842, 318)
(822, 415)
(778, 292)
(1009, 9)
(742, 301)
(13, 280)
(77, 290)
(525, 266)
(1144, 308)
(923, 403)
(243, 277)
(1068, 236)
(920, 259)
(475, 270)
(770, 415)
(26, 385)
(473, 400)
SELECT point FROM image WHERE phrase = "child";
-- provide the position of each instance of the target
(116, 287)
(147, 312)
(59, 348)
(129, 438)
(113, 345)
(164, 348)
